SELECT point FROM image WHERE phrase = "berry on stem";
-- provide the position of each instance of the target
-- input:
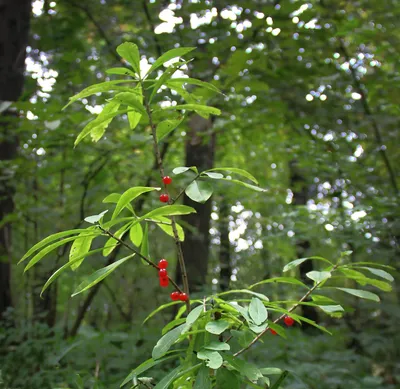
(175, 296)
(162, 273)
(164, 282)
(167, 180)
(288, 321)
(162, 264)
(164, 198)
(183, 297)
(273, 332)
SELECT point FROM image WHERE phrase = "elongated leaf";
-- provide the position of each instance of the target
(213, 358)
(246, 185)
(240, 172)
(136, 234)
(361, 293)
(183, 169)
(199, 191)
(131, 100)
(172, 324)
(192, 81)
(99, 275)
(166, 225)
(50, 239)
(227, 379)
(49, 249)
(245, 291)
(112, 243)
(218, 346)
(128, 196)
(95, 218)
(159, 309)
(167, 126)
(297, 262)
(169, 210)
(166, 382)
(217, 327)
(280, 380)
(80, 247)
(130, 52)
(271, 371)
(284, 280)
(97, 88)
(331, 308)
(179, 52)
(194, 315)
(203, 380)
(121, 71)
(98, 131)
(380, 273)
(374, 264)
(247, 369)
(257, 311)
(146, 366)
(318, 276)
(145, 249)
(166, 341)
(215, 176)
(59, 271)
(203, 110)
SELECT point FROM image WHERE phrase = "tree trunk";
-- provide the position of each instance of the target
(14, 28)
(200, 149)
(301, 191)
(225, 246)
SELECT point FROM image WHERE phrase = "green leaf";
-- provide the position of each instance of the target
(202, 110)
(145, 366)
(194, 315)
(245, 184)
(136, 234)
(257, 328)
(217, 327)
(95, 218)
(160, 308)
(183, 169)
(112, 243)
(284, 280)
(257, 311)
(58, 272)
(99, 275)
(179, 52)
(203, 380)
(318, 276)
(167, 126)
(227, 379)
(50, 248)
(331, 308)
(172, 324)
(128, 196)
(240, 172)
(245, 368)
(380, 273)
(166, 225)
(361, 293)
(50, 239)
(97, 88)
(121, 72)
(80, 247)
(130, 52)
(215, 176)
(144, 249)
(169, 210)
(98, 131)
(218, 346)
(280, 380)
(322, 300)
(213, 358)
(297, 262)
(271, 371)
(168, 379)
(131, 100)
(166, 341)
(199, 191)
(192, 81)
(244, 291)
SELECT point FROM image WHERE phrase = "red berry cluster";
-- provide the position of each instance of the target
(175, 296)
(164, 198)
(162, 273)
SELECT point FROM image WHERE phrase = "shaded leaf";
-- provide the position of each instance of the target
(361, 293)
(166, 341)
(199, 191)
(130, 195)
(130, 52)
(257, 311)
(217, 327)
(179, 52)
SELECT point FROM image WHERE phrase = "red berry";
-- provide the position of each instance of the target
(167, 180)
(162, 273)
(288, 321)
(164, 198)
(273, 332)
(175, 296)
(162, 264)
(164, 282)
(183, 297)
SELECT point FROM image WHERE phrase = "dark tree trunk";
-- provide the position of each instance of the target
(301, 192)
(14, 28)
(225, 246)
(200, 149)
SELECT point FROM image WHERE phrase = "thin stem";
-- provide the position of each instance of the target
(147, 260)
(283, 315)
(181, 259)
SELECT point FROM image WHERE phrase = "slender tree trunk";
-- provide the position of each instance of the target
(301, 192)
(225, 246)
(14, 29)
(200, 149)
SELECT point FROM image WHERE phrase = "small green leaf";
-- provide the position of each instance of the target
(280, 380)
(297, 262)
(179, 52)
(170, 210)
(331, 308)
(245, 184)
(257, 328)
(215, 176)
(130, 52)
(183, 169)
(271, 371)
(203, 380)
(218, 346)
(128, 196)
(166, 382)
(284, 280)
(257, 311)
(144, 249)
(132, 100)
(95, 218)
(245, 291)
(245, 368)
(361, 293)
(217, 327)
(99, 275)
(166, 341)
(159, 309)
(318, 276)
(80, 247)
(202, 110)
(199, 191)
(240, 172)
(380, 273)
(166, 225)
(167, 126)
(213, 358)
(121, 72)
(136, 234)
(172, 324)
(98, 131)
(192, 81)
(194, 315)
